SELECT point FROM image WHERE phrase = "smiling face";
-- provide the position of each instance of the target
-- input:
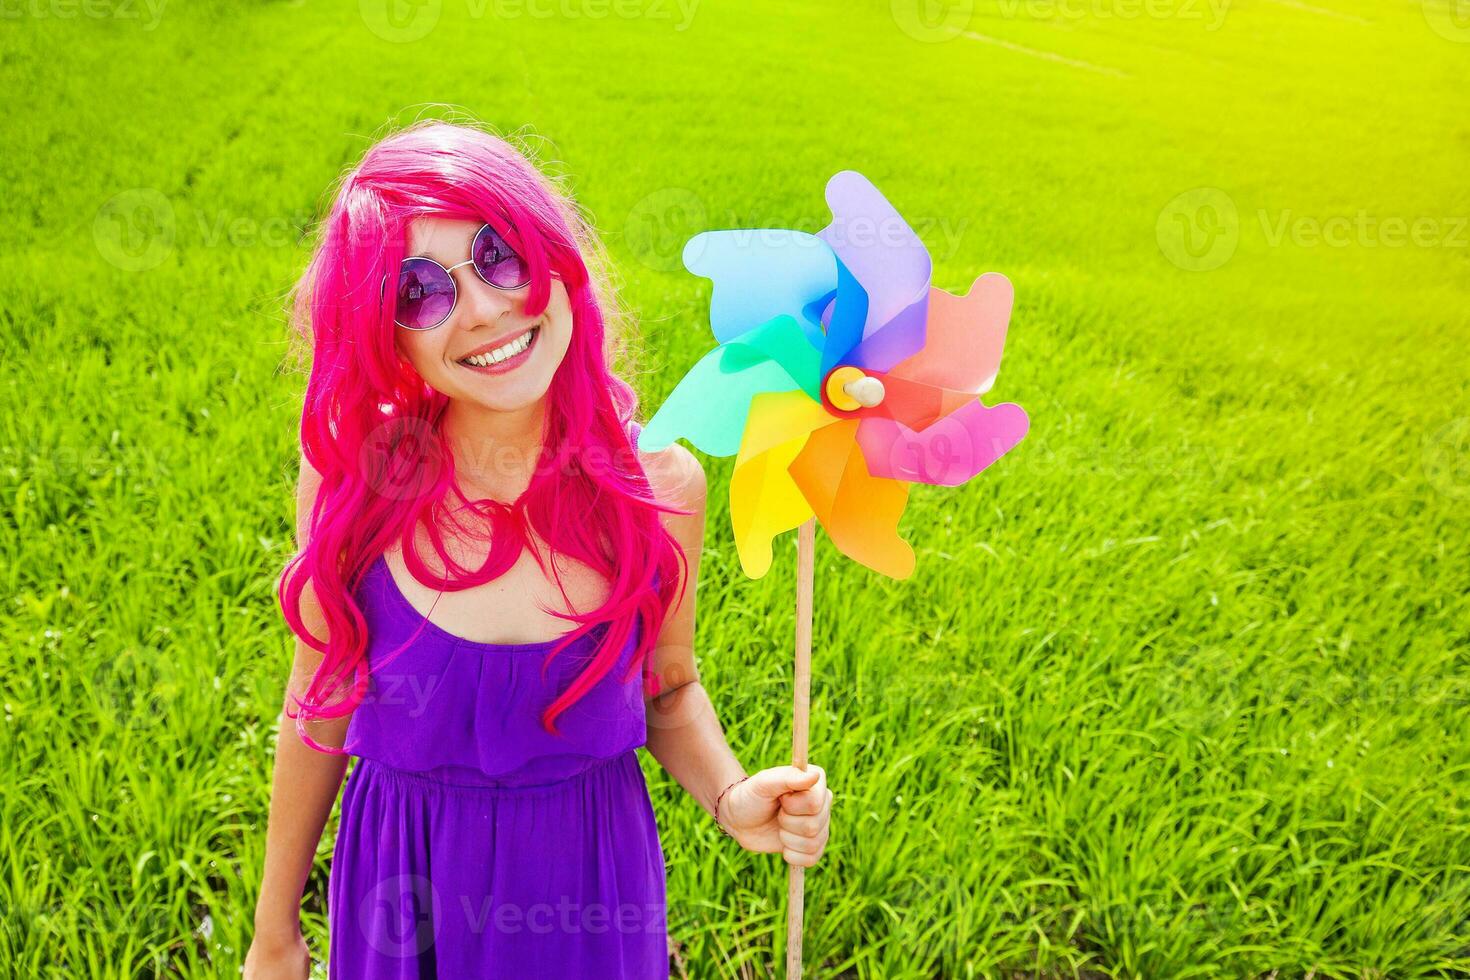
(514, 355)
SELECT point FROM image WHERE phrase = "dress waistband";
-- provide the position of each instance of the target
(464, 783)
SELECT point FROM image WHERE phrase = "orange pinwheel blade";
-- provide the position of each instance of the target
(858, 511)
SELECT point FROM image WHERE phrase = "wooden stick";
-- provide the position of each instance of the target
(806, 540)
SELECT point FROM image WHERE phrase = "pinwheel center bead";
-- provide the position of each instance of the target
(848, 389)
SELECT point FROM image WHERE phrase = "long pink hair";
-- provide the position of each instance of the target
(371, 426)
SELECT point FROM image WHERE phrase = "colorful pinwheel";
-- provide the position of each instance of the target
(842, 377)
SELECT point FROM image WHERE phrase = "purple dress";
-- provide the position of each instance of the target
(472, 843)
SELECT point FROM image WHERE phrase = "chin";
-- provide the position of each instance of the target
(511, 404)
(511, 395)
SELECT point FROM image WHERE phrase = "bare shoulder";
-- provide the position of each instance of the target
(308, 488)
(676, 476)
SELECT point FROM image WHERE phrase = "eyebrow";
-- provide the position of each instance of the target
(469, 249)
(504, 237)
(426, 255)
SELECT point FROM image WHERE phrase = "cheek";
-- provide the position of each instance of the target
(412, 352)
(415, 346)
(563, 318)
(564, 332)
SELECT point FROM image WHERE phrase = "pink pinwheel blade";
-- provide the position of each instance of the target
(965, 337)
(948, 452)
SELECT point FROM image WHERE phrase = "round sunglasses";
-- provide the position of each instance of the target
(426, 290)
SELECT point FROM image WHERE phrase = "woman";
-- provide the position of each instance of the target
(469, 486)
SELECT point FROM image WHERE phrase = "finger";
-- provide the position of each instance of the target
(771, 783)
(802, 845)
(807, 801)
(804, 826)
(820, 786)
(802, 859)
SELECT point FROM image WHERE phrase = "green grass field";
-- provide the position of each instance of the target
(1179, 688)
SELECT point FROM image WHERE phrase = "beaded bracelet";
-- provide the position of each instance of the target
(721, 797)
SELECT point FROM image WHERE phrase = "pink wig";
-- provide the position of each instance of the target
(371, 426)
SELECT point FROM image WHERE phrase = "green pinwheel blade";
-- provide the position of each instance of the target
(782, 340)
(710, 404)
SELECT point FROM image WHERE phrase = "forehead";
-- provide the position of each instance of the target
(443, 239)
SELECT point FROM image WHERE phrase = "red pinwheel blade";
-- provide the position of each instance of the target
(914, 404)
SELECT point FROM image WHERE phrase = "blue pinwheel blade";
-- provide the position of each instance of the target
(759, 274)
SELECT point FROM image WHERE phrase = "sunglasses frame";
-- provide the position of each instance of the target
(449, 271)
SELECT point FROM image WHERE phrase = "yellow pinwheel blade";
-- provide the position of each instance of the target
(764, 500)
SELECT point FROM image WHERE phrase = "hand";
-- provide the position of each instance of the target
(784, 810)
(283, 958)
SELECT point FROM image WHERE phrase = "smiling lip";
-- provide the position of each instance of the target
(510, 363)
(497, 342)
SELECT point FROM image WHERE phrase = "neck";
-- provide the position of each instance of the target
(494, 451)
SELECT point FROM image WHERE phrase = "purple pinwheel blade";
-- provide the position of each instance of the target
(889, 261)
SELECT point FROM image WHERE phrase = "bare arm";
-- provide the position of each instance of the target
(782, 809)
(684, 733)
(305, 782)
(303, 788)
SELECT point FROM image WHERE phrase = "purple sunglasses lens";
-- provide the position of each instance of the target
(497, 262)
(425, 294)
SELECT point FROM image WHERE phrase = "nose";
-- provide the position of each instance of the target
(481, 304)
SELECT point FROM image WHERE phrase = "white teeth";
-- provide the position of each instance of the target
(501, 353)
